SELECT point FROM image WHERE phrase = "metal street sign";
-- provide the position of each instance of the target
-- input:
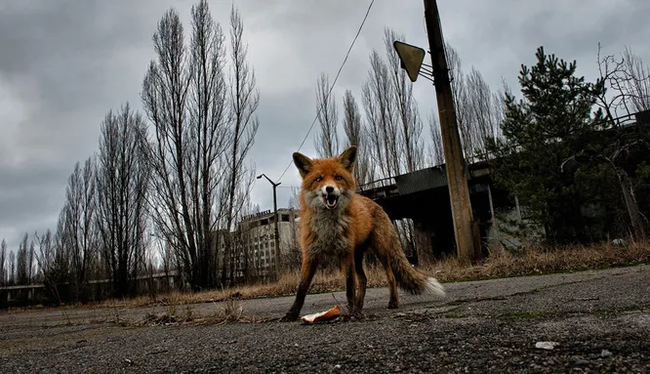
(410, 57)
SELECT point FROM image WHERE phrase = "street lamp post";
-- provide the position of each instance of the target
(275, 219)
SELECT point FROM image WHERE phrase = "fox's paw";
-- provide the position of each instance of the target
(289, 317)
(352, 316)
(393, 305)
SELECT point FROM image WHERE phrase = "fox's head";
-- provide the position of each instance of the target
(327, 183)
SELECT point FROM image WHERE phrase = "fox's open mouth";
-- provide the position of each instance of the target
(331, 201)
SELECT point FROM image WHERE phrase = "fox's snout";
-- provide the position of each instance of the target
(331, 190)
(329, 195)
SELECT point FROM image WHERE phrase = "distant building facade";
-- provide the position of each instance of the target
(254, 251)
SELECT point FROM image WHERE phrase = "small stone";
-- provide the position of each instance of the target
(605, 353)
(581, 362)
(546, 345)
(337, 366)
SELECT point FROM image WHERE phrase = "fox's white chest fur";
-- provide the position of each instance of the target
(330, 228)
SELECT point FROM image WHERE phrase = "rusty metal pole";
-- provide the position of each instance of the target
(461, 207)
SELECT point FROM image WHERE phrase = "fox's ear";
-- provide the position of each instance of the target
(303, 163)
(348, 158)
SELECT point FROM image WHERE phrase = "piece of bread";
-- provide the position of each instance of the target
(322, 316)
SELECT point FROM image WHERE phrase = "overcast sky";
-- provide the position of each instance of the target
(65, 63)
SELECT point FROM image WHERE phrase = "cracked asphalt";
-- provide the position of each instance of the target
(599, 322)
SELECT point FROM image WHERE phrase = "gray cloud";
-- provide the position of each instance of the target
(64, 64)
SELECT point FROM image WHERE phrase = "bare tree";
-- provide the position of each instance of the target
(11, 268)
(437, 154)
(22, 273)
(45, 253)
(355, 135)
(627, 82)
(31, 263)
(203, 131)
(53, 263)
(3, 263)
(327, 143)
(458, 90)
(167, 256)
(393, 124)
(78, 231)
(351, 120)
(209, 103)
(406, 107)
(479, 110)
(244, 100)
(383, 134)
(164, 95)
(638, 84)
(187, 114)
(122, 181)
(294, 198)
(55, 260)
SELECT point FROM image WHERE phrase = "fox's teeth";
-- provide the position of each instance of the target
(331, 201)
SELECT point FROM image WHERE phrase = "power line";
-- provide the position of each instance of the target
(333, 83)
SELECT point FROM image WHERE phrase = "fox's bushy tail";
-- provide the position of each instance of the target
(387, 243)
(411, 280)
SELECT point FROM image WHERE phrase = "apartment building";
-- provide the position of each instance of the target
(254, 253)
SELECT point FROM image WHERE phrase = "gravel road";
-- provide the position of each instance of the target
(597, 321)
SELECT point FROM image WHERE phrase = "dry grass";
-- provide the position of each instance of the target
(538, 260)
(532, 261)
(231, 311)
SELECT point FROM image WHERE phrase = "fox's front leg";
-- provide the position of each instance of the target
(309, 266)
(347, 266)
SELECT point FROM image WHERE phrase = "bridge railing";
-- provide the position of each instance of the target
(384, 182)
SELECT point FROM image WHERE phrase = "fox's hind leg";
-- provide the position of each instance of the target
(383, 254)
(362, 280)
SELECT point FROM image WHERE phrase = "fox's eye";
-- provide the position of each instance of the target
(338, 178)
(319, 179)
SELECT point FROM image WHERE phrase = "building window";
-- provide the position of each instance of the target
(285, 218)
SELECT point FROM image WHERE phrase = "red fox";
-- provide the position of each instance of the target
(336, 223)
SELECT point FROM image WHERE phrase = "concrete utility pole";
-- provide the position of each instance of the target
(275, 221)
(458, 191)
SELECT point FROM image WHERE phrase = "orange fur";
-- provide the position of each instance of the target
(337, 224)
